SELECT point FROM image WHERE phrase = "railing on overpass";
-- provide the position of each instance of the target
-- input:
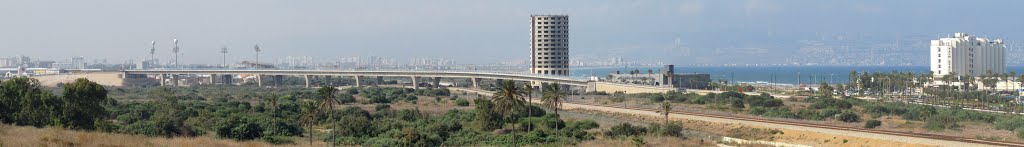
(426, 73)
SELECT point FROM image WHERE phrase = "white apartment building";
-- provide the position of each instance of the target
(549, 44)
(964, 54)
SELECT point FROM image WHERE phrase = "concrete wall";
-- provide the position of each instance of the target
(628, 88)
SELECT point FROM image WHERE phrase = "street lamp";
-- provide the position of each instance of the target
(224, 56)
(176, 50)
(257, 47)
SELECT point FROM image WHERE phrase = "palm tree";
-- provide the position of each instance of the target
(273, 114)
(553, 96)
(665, 108)
(328, 103)
(310, 109)
(528, 89)
(507, 101)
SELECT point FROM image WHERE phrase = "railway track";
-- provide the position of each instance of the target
(753, 119)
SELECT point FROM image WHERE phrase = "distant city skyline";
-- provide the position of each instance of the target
(489, 32)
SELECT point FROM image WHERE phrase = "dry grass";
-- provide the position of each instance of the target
(31, 136)
(649, 140)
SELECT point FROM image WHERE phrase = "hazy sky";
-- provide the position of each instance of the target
(472, 31)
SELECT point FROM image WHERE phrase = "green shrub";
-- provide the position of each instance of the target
(737, 104)
(582, 125)
(346, 98)
(625, 129)
(848, 117)
(1019, 132)
(461, 102)
(671, 129)
(872, 124)
(941, 122)
(277, 140)
(1009, 123)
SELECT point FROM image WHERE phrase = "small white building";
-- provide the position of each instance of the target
(964, 54)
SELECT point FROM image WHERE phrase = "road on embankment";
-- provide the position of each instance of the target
(906, 137)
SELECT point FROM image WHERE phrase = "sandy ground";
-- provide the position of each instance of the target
(103, 78)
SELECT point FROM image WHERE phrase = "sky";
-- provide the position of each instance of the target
(475, 31)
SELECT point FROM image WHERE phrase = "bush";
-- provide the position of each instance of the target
(346, 98)
(941, 122)
(848, 117)
(1019, 132)
(461, 102)
(671, 129)
(582, 125)
(237, 129)
(737, 104)
(277, 140)
(657, 98)
(822, 103)
(1009, 123)
(625, 129)
(872, 124)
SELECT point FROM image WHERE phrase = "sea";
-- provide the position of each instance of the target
(790, 75)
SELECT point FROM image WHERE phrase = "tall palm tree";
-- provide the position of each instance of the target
(553, 96)
(310, 109)
(948, 79)
(327, 103)
(665, 108)
(273, 114)
(528, 89)
(507, 101)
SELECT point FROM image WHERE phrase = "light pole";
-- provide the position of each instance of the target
(176, 50)
(257, 47)
(224, 56)
(152, 51)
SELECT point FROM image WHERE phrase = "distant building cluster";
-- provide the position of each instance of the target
(964, 54)
(301, 61)
(366, 61)
(665, 77)
(431, 62)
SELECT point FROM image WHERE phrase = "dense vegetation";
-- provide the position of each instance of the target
(280, 115)
(24, 102)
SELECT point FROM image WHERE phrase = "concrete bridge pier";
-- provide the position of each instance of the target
(227, 79)
(307, 80)
(162, 80)
(174, 80)
(259, 80)
(358, 82)
(329, 81)
(415, 83)
(213, 80)
(475, 82)
(278, 80)
(437, 82)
